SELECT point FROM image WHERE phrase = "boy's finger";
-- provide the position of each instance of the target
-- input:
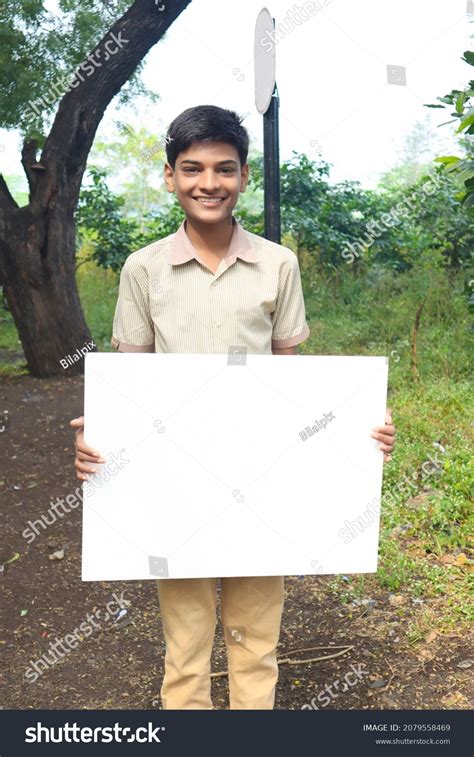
(387, 438)
(388, 415)
(84, 452)
(385, 430)
(77, 422)
(84, 457)
(85, 467)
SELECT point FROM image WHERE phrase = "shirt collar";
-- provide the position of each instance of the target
(240, 246)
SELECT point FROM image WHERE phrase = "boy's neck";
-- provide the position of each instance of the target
(213, 238)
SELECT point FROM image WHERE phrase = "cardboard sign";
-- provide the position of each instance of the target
(232, 465)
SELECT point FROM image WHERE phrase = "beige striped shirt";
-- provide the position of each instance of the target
(170, 301)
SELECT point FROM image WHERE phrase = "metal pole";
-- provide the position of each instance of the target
(271, 170)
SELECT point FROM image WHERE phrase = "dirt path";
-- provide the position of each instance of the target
(120, 664)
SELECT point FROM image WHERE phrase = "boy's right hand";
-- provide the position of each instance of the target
(84, 454)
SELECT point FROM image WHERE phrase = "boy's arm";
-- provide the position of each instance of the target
(132, 329)
(289, 317)
(285, 351)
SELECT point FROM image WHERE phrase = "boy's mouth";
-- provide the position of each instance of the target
(209, 200)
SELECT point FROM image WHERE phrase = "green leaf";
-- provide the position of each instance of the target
(460, 100)
(469, 57)
(465, 123)
(448, 99)
(447, 159)
(466, 170)
(468, 201)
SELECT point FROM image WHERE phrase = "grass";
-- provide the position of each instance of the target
(9, 340)
(98, 289)
(430, 554)
(374, 315)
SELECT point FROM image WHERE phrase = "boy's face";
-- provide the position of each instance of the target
(207, 179)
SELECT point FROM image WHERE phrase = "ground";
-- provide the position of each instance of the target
(120, 665)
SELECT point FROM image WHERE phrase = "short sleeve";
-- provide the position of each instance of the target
(289, 318)
(132, 329)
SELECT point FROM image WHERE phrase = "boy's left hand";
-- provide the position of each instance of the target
(386, 435)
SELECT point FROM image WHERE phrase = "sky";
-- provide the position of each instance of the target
(331, 72)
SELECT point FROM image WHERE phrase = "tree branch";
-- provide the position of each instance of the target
(28, 159)
(98, 79)
(7, 202)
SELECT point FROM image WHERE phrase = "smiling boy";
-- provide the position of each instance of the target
(209, 287)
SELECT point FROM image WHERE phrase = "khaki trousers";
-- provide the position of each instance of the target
(251, 609)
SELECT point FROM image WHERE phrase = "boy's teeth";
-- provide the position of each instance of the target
(210, 199)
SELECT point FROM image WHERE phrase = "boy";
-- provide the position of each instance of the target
(207, 287)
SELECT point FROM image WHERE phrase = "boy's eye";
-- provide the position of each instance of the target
(191, 169)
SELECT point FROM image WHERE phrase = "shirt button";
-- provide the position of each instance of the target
(218, 323)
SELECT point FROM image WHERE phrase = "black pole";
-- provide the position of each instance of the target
(271, 170)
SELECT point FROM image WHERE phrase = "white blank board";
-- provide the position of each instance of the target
(214, 477)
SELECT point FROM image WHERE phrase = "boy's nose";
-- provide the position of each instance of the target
(209, 181)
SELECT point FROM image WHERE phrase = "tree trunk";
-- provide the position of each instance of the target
(37, 242)
(38, 253)
(414, 338)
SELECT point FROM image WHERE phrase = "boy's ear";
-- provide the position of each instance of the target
(244, 177)
(168, 176)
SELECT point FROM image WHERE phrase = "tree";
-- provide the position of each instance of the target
(249, 211)
(317, 218)
(18, 189)
(135, 158)
(439, 225)
(102, 223)
(463, 113)
(37, 242)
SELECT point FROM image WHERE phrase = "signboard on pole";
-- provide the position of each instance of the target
(267, 102)
(265, 61)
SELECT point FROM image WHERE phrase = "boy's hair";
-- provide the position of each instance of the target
(206, 123)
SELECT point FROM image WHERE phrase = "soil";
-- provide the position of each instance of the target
(120, 664)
